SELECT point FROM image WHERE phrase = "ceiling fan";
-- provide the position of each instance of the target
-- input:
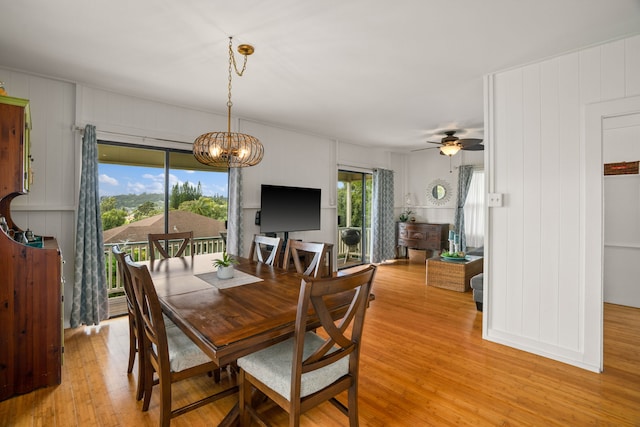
(451, 144)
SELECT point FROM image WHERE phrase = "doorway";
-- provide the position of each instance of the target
(354, 217)
(592, 235)
(621, 195)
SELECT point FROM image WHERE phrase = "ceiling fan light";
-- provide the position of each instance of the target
(449, 150)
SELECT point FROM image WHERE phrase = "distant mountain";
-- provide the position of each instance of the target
(132, 201)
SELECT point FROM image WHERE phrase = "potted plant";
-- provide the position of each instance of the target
(225, 266)
(404, 216)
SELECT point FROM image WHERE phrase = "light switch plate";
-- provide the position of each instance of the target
(494, 200)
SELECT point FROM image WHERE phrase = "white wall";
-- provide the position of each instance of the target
(428, 165)
(537, 270)
(291, 157)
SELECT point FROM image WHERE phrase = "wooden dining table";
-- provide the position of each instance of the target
(230, 322)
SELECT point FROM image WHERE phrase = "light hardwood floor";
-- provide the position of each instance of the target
(423, 363)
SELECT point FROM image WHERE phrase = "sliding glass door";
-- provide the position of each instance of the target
(154, 190)
(354, 217)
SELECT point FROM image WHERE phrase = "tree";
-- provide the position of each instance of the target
(145, 210)
(212, 207)
(184, 193)
(113, 218)
(108, 203)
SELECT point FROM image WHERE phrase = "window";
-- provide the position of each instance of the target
(145, 190)
(474, 211)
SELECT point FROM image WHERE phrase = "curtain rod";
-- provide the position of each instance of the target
(77, 128)
(355, 168)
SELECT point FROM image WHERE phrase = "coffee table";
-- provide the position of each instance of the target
(453, 274)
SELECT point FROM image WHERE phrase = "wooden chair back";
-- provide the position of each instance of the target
(266, 249)
(154, 338)
(160, 242)
(297, 250)
(133, 316)
(155, 346)
(334, 340)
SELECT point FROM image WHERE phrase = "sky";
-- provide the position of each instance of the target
(118, 179)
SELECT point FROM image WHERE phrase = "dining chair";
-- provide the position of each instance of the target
(168, 352)
(265, 249)
(297, 250)
(311, 368)
(160, 242)
(134, 330)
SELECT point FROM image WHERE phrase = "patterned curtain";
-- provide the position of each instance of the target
(90, 304)
(234, 219)
(383, 227)
(464, 180)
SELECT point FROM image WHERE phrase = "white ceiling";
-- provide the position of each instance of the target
(374, 72)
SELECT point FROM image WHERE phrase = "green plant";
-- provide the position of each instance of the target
(225, 261)
(404, 216)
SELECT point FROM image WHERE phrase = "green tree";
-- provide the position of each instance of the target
(184, 193)
(108, 203)
(203, 206)
(145, 210)
(356, 203)
(212, 207)
(113, 218)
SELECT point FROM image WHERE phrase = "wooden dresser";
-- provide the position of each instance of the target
(30, 273)
(422, 235)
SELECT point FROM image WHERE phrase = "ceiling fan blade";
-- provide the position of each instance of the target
(432, 142)
(468, 142)
(425, 148)
(477, 147)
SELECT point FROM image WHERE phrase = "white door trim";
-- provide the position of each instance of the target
(592, 222)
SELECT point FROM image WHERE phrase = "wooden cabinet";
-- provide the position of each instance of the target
(15, 150)
(422, 235)
(30, 277)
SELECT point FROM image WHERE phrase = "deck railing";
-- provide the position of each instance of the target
(139, 252)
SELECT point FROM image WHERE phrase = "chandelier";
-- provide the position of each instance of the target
(229, 149)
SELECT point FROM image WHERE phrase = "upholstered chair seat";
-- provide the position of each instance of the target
(183, 352)
(272, 366)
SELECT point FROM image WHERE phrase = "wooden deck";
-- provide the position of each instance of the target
(424, 363)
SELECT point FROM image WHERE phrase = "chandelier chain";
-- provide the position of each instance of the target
(233, 59)
(229, 103)
(233, 66)
(229, 149)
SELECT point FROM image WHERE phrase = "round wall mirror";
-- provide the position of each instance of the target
(439, 192)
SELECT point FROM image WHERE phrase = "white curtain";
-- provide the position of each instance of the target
(474, 211)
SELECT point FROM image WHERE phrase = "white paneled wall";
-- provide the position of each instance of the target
(291, 157)
(538, 297)
(131, 116)
(295, 159)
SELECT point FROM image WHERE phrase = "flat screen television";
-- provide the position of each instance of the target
(285, 209)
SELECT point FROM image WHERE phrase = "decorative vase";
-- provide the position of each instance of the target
(225, 272)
